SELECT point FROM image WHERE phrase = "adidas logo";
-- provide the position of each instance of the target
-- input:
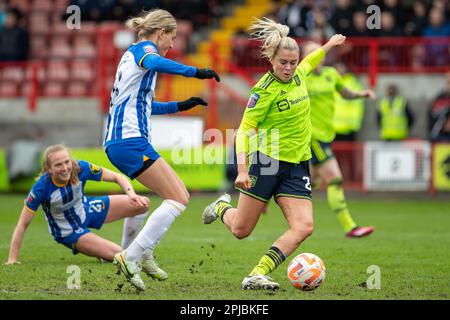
(282, 92)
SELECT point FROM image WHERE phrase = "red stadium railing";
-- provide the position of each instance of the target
(94, 76)
(364, 55)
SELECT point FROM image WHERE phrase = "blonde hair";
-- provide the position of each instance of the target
(49, 151)
(273, 35)
(150, 21)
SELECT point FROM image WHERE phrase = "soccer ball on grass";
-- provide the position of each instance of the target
(306, 271)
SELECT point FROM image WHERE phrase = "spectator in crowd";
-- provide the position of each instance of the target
(389, 25)
(394, 117)
(437, 53)
(321, 24)
(359, 27)
(437, 24)
(439, 115)
(2, 14)
(14, 40)
(396, 10)
(417, 23)
(290, 14)
(342, 17)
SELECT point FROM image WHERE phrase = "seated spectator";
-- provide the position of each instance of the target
(341, 19)
(14, 40)
(359, 27)
(396, 10)
(437, 25)
(389, 26)
(321, 24)
(437, 53)
(290, 14)
(439, 115)
(417, 24)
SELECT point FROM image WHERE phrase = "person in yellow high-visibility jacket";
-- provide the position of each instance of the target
(348, 115)
(394, 117)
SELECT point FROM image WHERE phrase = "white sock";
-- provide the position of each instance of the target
(156, 226)
(131, 227)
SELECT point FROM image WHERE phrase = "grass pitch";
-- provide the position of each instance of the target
(411, 247)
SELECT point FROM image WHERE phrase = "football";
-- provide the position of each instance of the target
(306, 271)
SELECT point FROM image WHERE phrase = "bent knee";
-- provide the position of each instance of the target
(304, 230)
(181, 198)
(241, 233)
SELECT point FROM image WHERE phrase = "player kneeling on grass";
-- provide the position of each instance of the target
(69, 213)
(279, 108)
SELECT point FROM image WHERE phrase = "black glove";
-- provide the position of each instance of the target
(190, 103)
(207, 74)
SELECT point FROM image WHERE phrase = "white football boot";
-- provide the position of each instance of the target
(258, 282)
(209, 214)
(151, 268)
(131, 270)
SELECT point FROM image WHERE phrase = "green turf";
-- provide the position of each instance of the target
(411, 246)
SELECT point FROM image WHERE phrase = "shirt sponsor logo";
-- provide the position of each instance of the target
(283, 105)
(253, 100)
(94, 168)
(150, 49)
(30, 197)
(298, 100)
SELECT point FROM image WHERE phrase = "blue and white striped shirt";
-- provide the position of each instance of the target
(63, 205)
(134, 89)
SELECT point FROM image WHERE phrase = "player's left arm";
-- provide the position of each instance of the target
(159, 108)
(349, 94)
(161, 64)
(124, 183)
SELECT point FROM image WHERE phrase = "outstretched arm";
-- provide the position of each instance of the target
(111, 176)
(349, 94)
(17, 238)
(161, 64)
(159, 108)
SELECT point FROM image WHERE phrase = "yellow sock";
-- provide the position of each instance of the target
(336, 200)
(221, 207)
(272, 259)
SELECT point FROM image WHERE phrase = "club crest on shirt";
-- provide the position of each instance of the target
(253, 181)
(253, 100)
(150, 49)
(297, 80)
(95, 169)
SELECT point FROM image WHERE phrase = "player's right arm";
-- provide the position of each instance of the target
(17, 238)
(257, 107)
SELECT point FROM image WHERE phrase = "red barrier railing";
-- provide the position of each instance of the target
(364, 55)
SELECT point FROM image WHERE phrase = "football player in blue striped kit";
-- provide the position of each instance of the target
(128, 139)
(69, 214)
